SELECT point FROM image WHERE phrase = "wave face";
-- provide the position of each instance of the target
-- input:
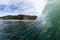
(48, 24)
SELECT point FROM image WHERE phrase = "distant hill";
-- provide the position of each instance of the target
(18, 17)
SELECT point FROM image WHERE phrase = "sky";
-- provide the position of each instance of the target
(26, 7)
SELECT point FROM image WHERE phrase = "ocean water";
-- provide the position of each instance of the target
(13, 30)
(45, 27)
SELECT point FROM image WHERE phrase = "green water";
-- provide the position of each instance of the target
(46, 27)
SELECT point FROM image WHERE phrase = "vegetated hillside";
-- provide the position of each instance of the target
(18, 17)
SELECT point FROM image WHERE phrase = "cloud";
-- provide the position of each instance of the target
(27, 7)
(4, 2)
